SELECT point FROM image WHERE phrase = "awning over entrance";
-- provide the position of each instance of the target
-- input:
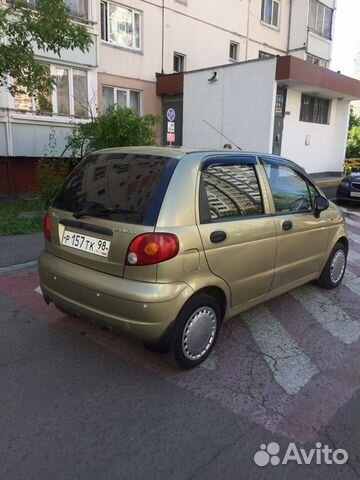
(309, 78)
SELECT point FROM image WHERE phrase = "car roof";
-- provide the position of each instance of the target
(181, 152)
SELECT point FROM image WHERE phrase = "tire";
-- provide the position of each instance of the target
(334, 269)
(195, 331)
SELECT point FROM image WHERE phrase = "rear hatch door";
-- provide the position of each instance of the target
(108, 200)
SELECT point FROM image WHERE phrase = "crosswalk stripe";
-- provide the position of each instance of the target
(291, 367)
(352, 282)
(330, 316)
(352, 222)
(350, 212)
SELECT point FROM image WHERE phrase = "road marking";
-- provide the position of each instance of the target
(38, 290)
(351, 222)
(352, 282)
(291, 367)
(355, 238)
(350, 212)
(330, 316)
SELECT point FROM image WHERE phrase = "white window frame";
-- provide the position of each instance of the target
(237, 47)
(133, 13)
(263, 14)
(183, 57)
(127, 91)
(54, 104)
(314, 29)
(321, 62)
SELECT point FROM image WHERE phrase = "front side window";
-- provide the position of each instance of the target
(121, 97)
(314, 109)
(229, 191)
(291, 193)
(320, 18)
(120, 25)
(270, 12)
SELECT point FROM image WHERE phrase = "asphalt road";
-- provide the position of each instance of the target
(79, 402)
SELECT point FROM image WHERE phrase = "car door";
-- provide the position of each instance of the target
(237, 231)
(302, 239)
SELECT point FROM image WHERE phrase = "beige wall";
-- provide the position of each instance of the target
(151, 103)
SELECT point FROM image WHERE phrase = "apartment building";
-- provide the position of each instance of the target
(136, 44)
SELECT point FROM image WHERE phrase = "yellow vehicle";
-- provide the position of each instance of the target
(166, 244)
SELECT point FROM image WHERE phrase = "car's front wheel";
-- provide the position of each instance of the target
(334, 269)
(195, 331)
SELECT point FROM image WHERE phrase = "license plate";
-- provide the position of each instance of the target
(355, 194)
(85, 243)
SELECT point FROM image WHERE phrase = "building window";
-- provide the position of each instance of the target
(266, 54)
(314, 109)
(179, 62)
(317, 61)
(69, 97)
(234, 51)
(270, 12)
(320, 18)
(122, 97)
(121, 25)
(78, 8)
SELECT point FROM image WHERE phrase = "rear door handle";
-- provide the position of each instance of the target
(217, 236)
(287, 225)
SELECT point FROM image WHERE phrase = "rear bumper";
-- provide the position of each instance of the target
(141, 309)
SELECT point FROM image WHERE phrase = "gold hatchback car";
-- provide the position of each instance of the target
(166, 244)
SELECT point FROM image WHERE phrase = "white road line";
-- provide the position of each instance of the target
(330, 316)
(350, 212)
(352, 282)
(291, 367)
(352, 222)
(355, 238)
(38, 290)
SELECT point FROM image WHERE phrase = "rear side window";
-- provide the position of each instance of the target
(229, 192)
(118, 186)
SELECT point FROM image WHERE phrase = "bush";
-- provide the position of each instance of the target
(353, 145)
(118, 127)
(51, 173)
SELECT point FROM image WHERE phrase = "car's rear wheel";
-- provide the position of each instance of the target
(334, 269)
(195, 331)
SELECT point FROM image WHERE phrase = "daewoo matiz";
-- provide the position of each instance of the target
(166, 244)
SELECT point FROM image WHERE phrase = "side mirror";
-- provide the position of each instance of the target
(321, 204)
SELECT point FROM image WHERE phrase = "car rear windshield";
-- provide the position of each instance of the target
(118, 186)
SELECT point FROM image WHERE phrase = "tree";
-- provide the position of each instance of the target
(353, 145)
(118, 127)
(24, 27)
(354, 119)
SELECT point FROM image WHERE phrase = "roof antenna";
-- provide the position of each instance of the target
(218, 131)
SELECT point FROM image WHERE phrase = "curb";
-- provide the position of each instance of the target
(18, 267)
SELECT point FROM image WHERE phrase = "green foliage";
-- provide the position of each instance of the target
(46, 27)
(51, 173)
(118, 127)
(12, 221)
(353, 145)
(354, 119)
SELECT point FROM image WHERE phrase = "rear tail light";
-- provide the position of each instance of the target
(152, 248)
(47, 227)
